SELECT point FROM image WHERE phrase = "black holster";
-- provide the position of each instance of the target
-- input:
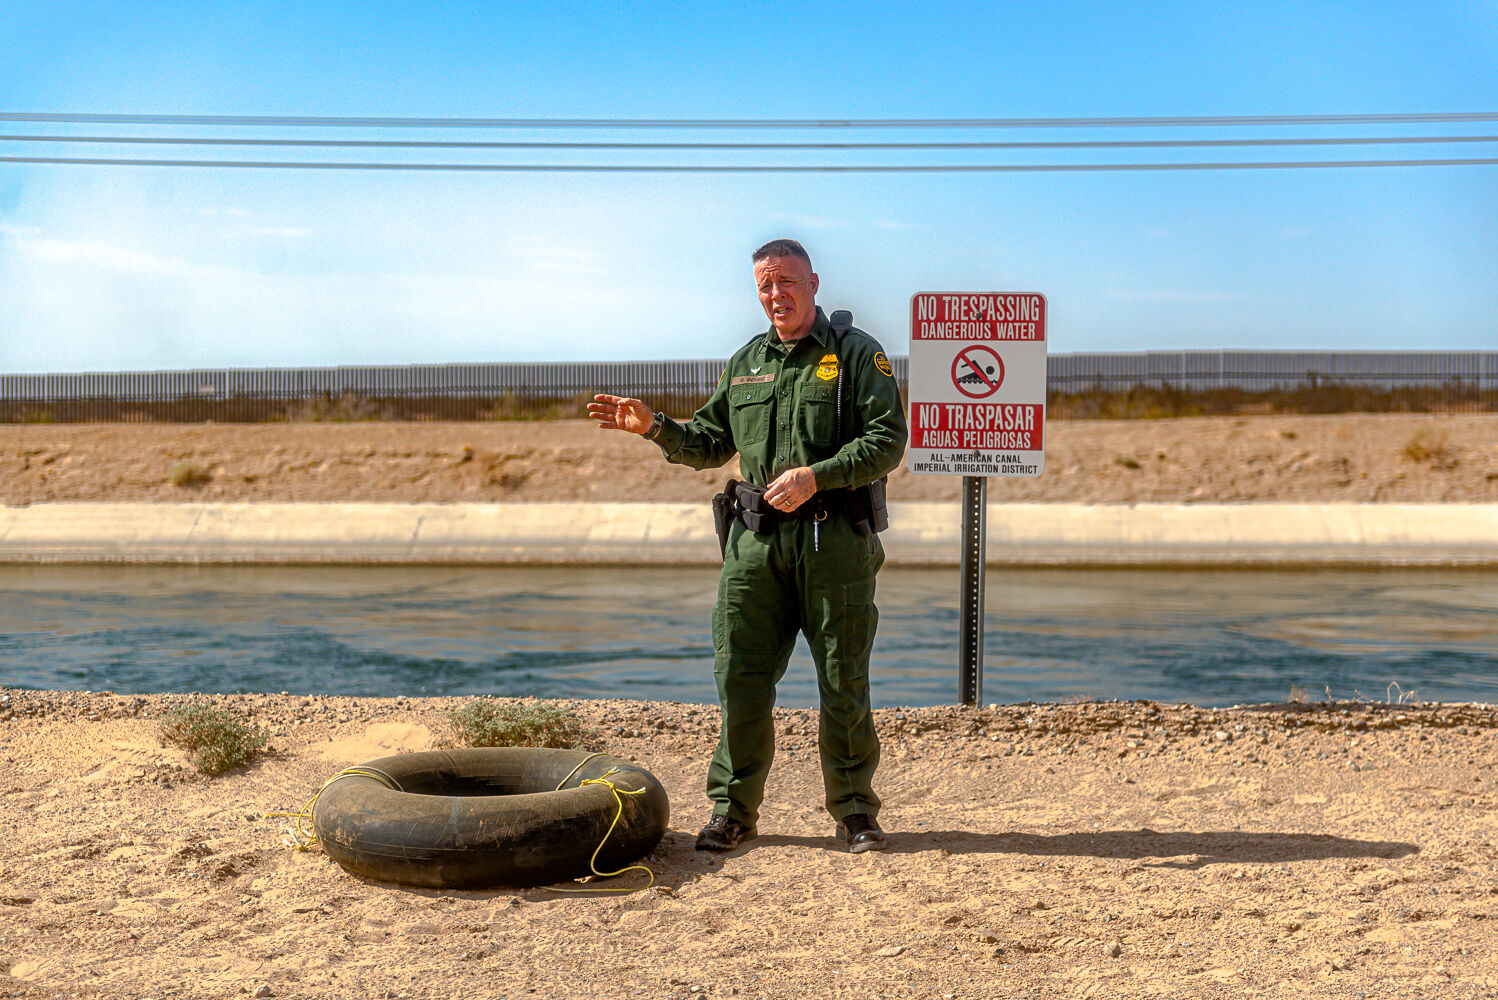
(868, 512)
(723, 515)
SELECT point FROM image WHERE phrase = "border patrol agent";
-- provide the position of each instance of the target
(813, 411)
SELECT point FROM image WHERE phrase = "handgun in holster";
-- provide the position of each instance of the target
(723, 515)
(867, 511)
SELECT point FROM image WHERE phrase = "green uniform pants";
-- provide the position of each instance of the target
(794, 579)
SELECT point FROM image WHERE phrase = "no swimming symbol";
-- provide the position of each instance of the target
(977, 371)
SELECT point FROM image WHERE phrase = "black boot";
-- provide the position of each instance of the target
(724, 834)
(862, 833)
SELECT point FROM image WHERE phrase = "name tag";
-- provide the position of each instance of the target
(752, 379)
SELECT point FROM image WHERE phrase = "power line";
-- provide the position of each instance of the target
(726, 123)
(746, 168)
(453, 144)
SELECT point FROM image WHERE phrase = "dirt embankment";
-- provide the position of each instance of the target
(1344, 458)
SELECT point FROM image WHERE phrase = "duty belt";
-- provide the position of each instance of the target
(745, 503)
(751, 507)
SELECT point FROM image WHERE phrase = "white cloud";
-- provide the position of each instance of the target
(556, 257)
(106, 257)
(95, 304)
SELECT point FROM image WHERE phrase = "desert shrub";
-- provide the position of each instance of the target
(1431, 447)
(485, 722)
(513, 406)
(187, 474)
(1126, 461)
(216, 739)
(344, 408)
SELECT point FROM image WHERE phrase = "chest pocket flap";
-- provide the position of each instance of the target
(743, 395)
(819, 393)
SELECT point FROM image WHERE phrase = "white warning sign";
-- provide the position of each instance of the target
(977, 383)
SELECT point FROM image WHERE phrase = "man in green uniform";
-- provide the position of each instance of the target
(804, 567)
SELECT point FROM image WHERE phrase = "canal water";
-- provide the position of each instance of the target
(1210, 638)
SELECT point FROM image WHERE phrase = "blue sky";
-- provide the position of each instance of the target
(140, 268)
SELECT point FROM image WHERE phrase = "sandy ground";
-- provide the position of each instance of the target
(1343, 458)
(1111, 850)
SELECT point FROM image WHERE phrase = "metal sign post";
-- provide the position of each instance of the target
(977, 409)
(974, 535)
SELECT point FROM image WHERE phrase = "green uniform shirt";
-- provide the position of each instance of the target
(776, 405)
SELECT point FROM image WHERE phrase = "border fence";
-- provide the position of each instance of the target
(1082, 385)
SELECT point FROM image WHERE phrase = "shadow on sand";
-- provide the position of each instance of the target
(1165, 850)
(675, 863)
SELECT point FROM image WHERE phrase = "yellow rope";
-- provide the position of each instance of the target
(578, 768)
(304, 839)
(593, 861)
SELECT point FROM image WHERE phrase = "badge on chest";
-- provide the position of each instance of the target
(827, 368)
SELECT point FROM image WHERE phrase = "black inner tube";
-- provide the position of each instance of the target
(472, 818)
(470, 786)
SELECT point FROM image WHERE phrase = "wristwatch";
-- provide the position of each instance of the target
(655, 427)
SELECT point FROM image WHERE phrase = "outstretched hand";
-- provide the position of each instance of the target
(620, 413)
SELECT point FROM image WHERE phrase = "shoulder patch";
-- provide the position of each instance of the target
(882, 363)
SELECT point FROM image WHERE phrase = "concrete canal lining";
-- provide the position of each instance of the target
(1038, 534)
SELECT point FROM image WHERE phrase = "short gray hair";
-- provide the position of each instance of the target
(781, 248)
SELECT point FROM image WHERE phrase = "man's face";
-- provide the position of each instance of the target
(788, 291)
